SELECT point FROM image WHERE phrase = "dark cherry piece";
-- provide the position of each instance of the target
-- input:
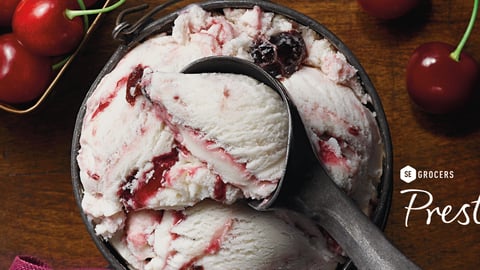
(149, 185)
(280, 55)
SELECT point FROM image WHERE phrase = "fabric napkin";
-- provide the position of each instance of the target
(25, 262)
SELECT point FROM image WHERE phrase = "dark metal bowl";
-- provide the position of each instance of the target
(148, 25)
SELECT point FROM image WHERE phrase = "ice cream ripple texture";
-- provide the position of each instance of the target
(166, 159)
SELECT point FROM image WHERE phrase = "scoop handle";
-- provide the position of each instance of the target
(362, 241)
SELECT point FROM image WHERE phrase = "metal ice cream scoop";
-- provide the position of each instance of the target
(306, 187)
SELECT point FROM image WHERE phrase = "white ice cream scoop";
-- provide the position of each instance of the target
(308, 189)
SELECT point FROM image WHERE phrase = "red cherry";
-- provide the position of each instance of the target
(23, 75)
(388, 9)
(7, 7)
(436, 82)
(441, 78)
(42, 26)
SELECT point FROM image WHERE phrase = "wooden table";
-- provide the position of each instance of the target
(39, 215)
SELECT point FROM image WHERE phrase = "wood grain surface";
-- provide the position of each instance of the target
(39, 216)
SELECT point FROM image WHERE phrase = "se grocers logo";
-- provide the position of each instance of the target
(409, 174)
(422, 202)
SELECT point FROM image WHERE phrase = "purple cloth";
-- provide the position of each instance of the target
(28, 263)
(32, 263)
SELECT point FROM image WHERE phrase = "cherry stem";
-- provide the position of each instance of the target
(85, 17)
(61, 63)
(455, 55)
(75, 13)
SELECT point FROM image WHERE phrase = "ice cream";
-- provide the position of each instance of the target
(341, 130)
(221, 141)
(156, 157)
(235, 126)
(212, 236)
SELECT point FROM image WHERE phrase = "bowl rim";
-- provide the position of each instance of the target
(385, 186)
